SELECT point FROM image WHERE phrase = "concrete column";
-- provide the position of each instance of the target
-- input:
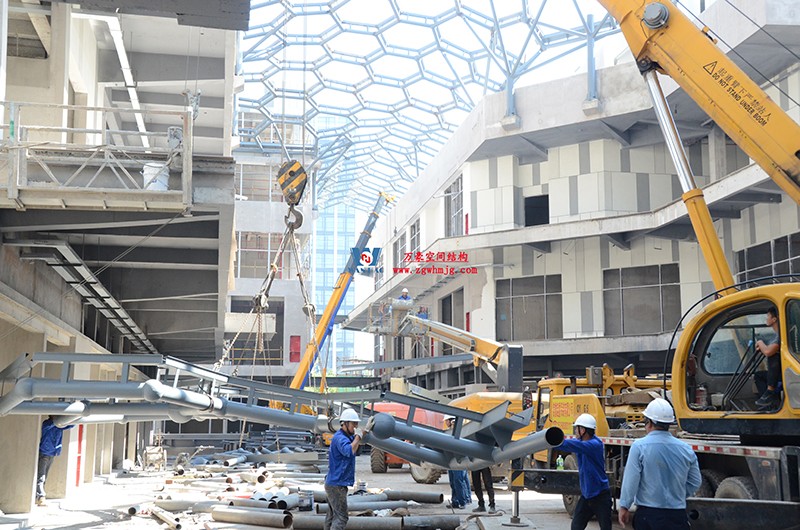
(108, 448)
(717, 153)
(20, 434)
(60, 25)
(3, 52)
(89, 449)
(133, 436)
(118, 452)
(99, 445)
(63, 478)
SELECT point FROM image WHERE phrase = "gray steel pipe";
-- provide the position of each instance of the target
(317, 522)
(532, 443)
(30, 388)
(428, 497)
(386, 426)
(363, 506)
(255, 516)
(172, 522)
(441, 522)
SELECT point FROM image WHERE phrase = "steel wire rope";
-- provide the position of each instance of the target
(102, 269)
(739, 55)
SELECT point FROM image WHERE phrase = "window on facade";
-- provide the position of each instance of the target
(257, 251)
(454, 209)
(641, 300)
(776, 257)
(258, 183)
(451, 311)
(399, 249)
(537, 210)
(413, 240)
(528, 308)
(244, 349)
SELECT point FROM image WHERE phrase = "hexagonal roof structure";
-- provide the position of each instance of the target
(375, 87)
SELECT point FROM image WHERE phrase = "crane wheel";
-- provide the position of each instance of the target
(737, 488)
(711, 481)
(377, 461)
(425, 474)
(570, 501)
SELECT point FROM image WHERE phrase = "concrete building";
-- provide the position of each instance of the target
(116, 204)
(567, 221)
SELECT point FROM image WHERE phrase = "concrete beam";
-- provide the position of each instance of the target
(166, 99)
(158, 67)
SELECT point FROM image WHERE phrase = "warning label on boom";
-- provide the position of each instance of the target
(745, 99)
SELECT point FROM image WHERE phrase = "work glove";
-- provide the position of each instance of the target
(361, 432)
(368, 427)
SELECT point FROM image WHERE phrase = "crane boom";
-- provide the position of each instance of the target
(659, 34)
(325, 323)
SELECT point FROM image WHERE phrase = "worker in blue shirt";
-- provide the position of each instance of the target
(342, 468)
(49, 448)
(660, 474)
(595, 495)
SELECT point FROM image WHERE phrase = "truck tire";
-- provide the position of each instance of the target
(425, 474)
(377, 461)
(737, 488)
(570, 501)
(711, 481)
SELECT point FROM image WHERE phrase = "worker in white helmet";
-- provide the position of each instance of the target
(460, 493)
(404, 294)
(660, 474)
(595, 495)
(342, 467)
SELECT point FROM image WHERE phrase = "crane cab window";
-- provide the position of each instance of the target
(793, 327)
(725, 367)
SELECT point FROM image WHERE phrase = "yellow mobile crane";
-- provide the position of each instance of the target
(715, 358)
(663, 39)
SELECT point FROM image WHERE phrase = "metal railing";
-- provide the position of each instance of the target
(70, 147)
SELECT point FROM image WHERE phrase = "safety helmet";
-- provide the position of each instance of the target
(660, 411)
(405, 290)
(585, 420)
(349, 415)
(449, 417)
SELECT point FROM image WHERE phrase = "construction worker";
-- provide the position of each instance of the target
(660, 474)
(342, 467)
(460, 494)
(49, 448)
(595, 495)
(404, 294)
(771, 348)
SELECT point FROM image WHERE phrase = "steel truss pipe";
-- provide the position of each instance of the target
(447, 459)
(154, 391)
(385, 426)
(88, 412)
(30, 388)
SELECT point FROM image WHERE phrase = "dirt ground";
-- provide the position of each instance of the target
(103, 504)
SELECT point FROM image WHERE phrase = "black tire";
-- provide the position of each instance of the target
(426, 474)
(377, 461)
(570, 501)
(737, 488)
(711, 481)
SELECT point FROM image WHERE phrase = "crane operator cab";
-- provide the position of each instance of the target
(737, 366)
